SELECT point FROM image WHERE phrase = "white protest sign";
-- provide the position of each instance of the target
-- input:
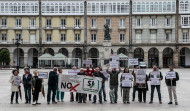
(126, 80)
(73, 72)
(106, 75)
(155, 74)
(114, 57)
(80, 84)
(114, 64)
(87, 62)
(170, 75)
(133, 62)
(140, 76)
(17, 80)
(155, 81)
(43, 75)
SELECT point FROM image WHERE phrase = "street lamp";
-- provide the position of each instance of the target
(17, 42)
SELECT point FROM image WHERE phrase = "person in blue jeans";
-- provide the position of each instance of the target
(97, 73)
(58, 92)
(155, 74)
(103, 86)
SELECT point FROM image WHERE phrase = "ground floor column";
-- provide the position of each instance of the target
(176, 59)
(146, 58)
(12, 59)
(160, 59)
(25, 59)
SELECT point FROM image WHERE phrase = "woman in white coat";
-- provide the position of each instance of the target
(15, 81)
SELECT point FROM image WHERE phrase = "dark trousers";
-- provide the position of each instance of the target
(134, 91)
(89, 96)
(53, 89)
(104, 90)
(100, 96)
(142, 94)
(152, 92)
(72, 96)
(82, 97)
(115, 88)
(35, 96)
(12, 96)
(27, 91)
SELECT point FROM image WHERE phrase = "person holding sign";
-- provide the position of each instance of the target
(82, 96)
(58, 92)
(114, 80)
(103, 84)
(170, 79)
(89, 72)
(71, 93)
(97, 73)
(36, 87)
(52, 85)
(155, 77)
(14, 87)
(134, 82)
(142, 89)
(126, 76)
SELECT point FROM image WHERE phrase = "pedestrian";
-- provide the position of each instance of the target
(71, 93)
(114, 81)
(52, 85)
(155, 74)
(36, 87)
(142, 89)
(103, 86)
(97, 73)
(82, 96)
(134, 83)
(171, 83)
(14, 87)
(27, 81)
(58, 91)
(126, 90)
(89, 72)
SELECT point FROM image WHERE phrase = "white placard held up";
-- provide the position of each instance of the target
(133, 62)
(126, 80)
(114, 64)
(17, 80)
(43, 75)
(114, 57)
(170, 75)
(155, 74)
(155, 81)
(87, 62)
(73, 72)
(140, 76)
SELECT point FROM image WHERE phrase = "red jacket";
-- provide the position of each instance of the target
(89, 72)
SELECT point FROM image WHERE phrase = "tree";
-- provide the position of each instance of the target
(4, 56)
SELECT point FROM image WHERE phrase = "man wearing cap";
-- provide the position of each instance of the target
(27, 81)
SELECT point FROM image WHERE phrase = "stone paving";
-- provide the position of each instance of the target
(183, 93)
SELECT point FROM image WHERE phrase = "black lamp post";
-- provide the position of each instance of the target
(17, 42)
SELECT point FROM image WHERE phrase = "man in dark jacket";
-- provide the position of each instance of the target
(27, 78)
(114, 80)
(82, 96)
(171, 83)
(97, 73)
(155, 74)
(52, 85)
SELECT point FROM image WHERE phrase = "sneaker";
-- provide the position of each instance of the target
(17, 102)
(176, 103)
(124, 102)
(105, 100)
(34, 103)
(115, 101)
(38, 103)
(90, 99)
(133, 100)
(150, 102)
(54, 102)
(128, 102)
(26, 102)
(84, 101)
(58, 101)
(170, 103)
(160, 102)
(80, 102)
(93, 102)
(11, 102)
(62, 101)
(47, 102)
(101, 103)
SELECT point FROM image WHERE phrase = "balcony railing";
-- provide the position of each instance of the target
(63, 27)
(77, 26)
(3, 26)
(18, 26)
(32, 27)
(184, 41)
(152, 41)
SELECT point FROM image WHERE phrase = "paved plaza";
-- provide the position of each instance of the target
(183, 93)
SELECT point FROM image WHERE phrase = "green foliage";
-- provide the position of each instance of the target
(5, 56)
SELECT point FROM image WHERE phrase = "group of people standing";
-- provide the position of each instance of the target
(34, 84)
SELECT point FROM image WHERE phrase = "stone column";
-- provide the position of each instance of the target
(146, 58)
(25, 59)
(176, 59)
(130, 55)
(12, 59)
(160, 59)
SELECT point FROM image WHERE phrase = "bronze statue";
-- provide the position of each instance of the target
(107, 32)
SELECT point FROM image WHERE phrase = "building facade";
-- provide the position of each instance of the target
(157, 32)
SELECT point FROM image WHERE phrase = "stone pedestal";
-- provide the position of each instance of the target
(106, 52)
